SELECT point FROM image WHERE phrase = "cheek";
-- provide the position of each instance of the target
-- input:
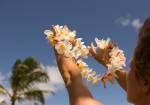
(130, 86)
(133, 93)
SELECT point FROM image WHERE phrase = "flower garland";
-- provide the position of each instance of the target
(116, 59)
(65, 42)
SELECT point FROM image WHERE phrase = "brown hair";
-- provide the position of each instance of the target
(142, 51)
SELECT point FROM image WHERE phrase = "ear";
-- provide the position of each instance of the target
(145, 84)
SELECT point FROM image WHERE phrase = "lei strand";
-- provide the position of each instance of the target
(65, 42)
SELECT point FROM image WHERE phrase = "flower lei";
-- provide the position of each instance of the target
(65, 42)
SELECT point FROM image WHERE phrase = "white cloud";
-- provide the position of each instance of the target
(1, 98)
(136, 23)
(2, 78)
(127, 21)
(4, 100)
(123, 21)
(56, 82)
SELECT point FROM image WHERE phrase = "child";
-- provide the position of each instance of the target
(136, 83)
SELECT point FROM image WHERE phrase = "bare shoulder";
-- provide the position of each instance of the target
(88, 101)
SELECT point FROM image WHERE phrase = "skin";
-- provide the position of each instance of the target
(138, 90)
(77, 91)
(103, 59)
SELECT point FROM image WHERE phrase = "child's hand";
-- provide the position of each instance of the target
(67, 67)
(102, 55)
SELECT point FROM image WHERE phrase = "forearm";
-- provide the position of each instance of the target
(77, 90)
(122, 75)
(79, 93)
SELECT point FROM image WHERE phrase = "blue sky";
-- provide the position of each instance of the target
(22, 23)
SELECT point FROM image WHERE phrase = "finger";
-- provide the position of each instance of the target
(67, 78)
(53, 29)
(93, 51)
(96, 56)
(93, 48)
(58, 56)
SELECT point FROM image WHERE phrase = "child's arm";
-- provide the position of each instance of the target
(78, 92)
(122, 75)
(103, 59)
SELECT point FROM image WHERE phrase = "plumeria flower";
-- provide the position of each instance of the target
(50, 36)
(78, 42)
(64, 32)
(102, 44)
(81, 64)
(75, 53)
(80, 49)
(57, 29)
(60, 47)
(116, 52)
(85, 72)
(108, 77)
(83, 49)
(84, 53)
(67, 34)
(48, 32)
(90, 75)
(63, 48)
(117, 60)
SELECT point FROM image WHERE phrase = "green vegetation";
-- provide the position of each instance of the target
(25, 74)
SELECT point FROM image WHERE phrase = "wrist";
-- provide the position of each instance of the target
(72, 77)
(75, 80)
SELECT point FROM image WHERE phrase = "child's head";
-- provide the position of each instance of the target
(138, 81)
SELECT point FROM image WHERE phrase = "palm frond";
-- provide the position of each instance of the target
(39, 76)
(24, 75)
(2, 90)
(20, 99)
(18, 61)
(26, 81)
(19, 76)
(27, 73)
(31, 63)
(35, 95)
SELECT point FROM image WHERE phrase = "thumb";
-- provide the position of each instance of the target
(92, 51)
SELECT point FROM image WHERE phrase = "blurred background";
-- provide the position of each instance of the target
(22, 23)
